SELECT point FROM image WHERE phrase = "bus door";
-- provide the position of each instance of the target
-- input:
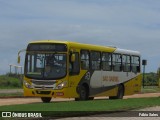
(74, 72)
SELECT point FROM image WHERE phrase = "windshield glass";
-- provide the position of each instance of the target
(45, 65)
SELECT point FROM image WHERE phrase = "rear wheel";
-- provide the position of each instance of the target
(91, 98)
(120, 93)
(46, 99)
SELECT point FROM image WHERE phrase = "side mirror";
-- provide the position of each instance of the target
(18, 59)
(73, 58)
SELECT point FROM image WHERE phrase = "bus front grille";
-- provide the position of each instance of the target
(43, 82)
(43, 92)
(43, 87)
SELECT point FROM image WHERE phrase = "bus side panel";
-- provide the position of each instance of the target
(133, 86)
(71, 92)
(111, 92)
(110, 82)
(74, 82)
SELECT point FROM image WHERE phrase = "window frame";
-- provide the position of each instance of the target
(126, 64)
(105, 61)
(138, 66)
(91, 65)
(116, 62)
(82, 60)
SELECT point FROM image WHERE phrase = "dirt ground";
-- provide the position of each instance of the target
(12, 101)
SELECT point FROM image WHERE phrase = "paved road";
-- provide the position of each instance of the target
(11, 91)
(12, 101)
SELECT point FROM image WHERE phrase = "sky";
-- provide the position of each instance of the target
(126, 24)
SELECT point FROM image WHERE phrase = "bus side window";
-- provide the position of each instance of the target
(85, 60)
(126, 61)
(106, 61)
(74, 67)
(135, 64)
(117, 62)
(95, 60)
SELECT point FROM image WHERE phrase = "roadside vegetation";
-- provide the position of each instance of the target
(10, 81)
(6, 95)
(151, 79)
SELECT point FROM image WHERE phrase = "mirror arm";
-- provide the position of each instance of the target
(23, 50)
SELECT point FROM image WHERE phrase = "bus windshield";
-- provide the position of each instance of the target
(45, 65)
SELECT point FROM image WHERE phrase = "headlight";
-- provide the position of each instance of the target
(62, 85)
(27, 85)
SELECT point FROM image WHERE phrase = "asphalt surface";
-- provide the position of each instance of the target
(11, 91)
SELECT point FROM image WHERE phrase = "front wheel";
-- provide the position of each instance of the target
(83, 93)
(46, 99)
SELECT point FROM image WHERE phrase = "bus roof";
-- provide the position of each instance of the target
(128, 52)
(79, 45)
(49, 41)
(91, 47)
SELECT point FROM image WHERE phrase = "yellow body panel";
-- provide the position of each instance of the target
(133, 86)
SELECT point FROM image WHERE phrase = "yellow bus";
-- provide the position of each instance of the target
(82, 71)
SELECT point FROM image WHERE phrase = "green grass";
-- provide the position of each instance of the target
(150, 89)
(7, 82)
(69, 108)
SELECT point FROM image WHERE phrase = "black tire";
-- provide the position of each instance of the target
(91, 98)
(46, 99)
(112, 97)
(120, 93)
(83, 93)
